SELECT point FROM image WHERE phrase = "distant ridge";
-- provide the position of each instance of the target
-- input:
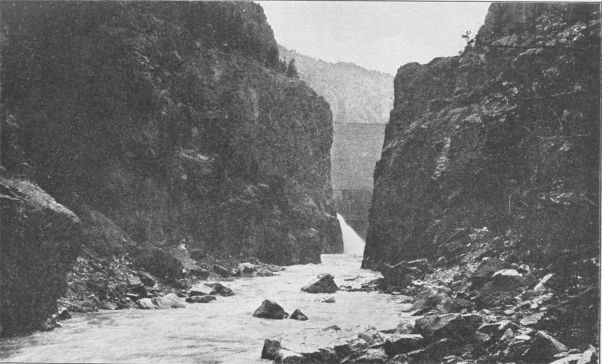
(356, 95)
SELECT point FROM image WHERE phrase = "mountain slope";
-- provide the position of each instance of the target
(355, 94)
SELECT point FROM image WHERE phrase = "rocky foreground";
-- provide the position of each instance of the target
(494, 311)
(96, 284)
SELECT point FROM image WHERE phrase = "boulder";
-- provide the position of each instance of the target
(170, 300)
(286, 356)
(486, 269)
(324, 284)
(134, 281)
(532, 320)
(371, 336)
(182, 284)
(322, 355)
(402, 343)
(201, 290)
(246, 268)
(496, 329)
(405, 327)
(270, 310)
(432, 353)
(200, 299)
(433, 298)
(298, 315)
(132, 296)
(399, 275)
(451, 325)
(270, 349)
(135, 286)
(39, 243)
(146, 279)
(372, 356)
(146, 304)
(199, 272)
(222, 271)
(157, 261)
(220, 289)
(507, 279)
(63, 314)
(543, 348)
(50, 324)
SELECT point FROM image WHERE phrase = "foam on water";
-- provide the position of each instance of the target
(353, 243)
(222, 331)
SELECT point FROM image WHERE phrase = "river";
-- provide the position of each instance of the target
(222, 331)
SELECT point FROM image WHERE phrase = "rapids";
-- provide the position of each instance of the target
(222, 331)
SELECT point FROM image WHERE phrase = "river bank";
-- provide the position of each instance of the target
(472, 312)
(223, 330)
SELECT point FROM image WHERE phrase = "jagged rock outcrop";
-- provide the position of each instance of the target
(498, 146)
(38, 235)
(170, 124)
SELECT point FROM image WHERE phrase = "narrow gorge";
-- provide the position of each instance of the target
(178, 184)
(161, 126)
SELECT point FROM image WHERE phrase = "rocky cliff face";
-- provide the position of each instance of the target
(495, 152)
(169, 124)
(38, 235)
(170, 121)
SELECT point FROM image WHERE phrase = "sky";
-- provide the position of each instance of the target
(380, 36)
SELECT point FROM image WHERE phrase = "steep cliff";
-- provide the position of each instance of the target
(171, 121)
(38, 235)
(496, 152)
(166, 123)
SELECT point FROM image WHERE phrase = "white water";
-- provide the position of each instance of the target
(223, 331)
(353, 243)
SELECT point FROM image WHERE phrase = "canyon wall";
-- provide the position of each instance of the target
(361, 100)
(168, 124)
(496, 152)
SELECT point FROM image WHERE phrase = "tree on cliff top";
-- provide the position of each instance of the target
(291, 70)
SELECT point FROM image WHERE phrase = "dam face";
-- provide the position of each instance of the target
(355, 150)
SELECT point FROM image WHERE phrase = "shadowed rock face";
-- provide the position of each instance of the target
(40, 241)
(171, 123)
(504, 136)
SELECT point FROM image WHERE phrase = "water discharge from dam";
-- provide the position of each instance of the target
(353, 243)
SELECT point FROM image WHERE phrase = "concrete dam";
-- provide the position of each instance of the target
(355, 150)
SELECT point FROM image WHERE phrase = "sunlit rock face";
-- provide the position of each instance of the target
(172, 121)
(504, 136)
